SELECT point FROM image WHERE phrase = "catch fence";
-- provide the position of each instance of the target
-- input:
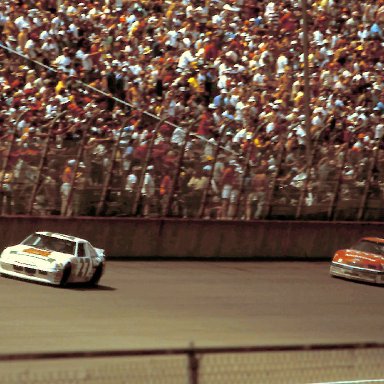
(305, 364)
(333, 182)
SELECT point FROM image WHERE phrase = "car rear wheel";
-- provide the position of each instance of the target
(66, 274)
(97, 275)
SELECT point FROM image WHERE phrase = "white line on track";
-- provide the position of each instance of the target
(352, 382)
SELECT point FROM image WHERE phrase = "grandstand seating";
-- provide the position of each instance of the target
(214, 95)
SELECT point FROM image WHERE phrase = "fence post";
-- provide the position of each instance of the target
(175, 179)
(367, 186)
(147, 159)
(193, 366)
(112, 163)
(42, 163)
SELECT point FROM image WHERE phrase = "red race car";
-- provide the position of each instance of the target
(363, 261)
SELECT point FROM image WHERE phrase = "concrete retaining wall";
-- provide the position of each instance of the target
(172, 238)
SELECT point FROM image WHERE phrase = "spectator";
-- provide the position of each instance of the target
(130, 190)
(229, 190)
(148, 192)
(6, 197)
(257, 194)
(67, 179)
(196, 186)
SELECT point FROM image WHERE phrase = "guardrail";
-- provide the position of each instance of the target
(298, 364)
(137, 238)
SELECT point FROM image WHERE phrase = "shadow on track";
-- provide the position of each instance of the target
(72, 286)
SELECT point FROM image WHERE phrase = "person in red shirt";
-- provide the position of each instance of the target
(287, 21)
(211, 50)
(165, 190)
(205, 124)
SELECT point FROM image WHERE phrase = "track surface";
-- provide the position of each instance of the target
(142, 305)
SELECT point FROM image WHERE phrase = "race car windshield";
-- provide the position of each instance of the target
(369, 247)
(50, 243)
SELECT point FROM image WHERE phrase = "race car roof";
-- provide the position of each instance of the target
(62, 236)
(375, 239)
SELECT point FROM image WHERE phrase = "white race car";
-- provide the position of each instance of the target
(54, 258)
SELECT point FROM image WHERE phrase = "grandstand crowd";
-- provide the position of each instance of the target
(199, 99)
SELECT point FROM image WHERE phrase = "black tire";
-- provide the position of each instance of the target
(96, 275)
(66, 274)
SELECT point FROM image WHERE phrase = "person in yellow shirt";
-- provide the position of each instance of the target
(22, 37)
(193, 83)
(298, 98)
(62, 83)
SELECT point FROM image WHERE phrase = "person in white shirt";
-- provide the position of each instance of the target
(186, 58)
(74, 31)
(50, 49)
(129, 192)
(148, 191)
(178, 136)
(281, 64)
(22, 22)
(30, 49)
(86, 61)
(64, 60)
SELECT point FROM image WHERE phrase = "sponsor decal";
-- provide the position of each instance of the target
(39, 252)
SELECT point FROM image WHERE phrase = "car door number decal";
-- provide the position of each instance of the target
(84, 267)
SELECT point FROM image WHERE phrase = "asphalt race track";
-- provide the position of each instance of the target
(172, 304)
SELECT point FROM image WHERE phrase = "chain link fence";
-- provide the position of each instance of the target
(354, 363)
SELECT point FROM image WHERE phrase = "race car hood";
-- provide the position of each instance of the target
(351, 256)
(33, 256)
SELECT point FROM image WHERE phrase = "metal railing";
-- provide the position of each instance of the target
(297, 364)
